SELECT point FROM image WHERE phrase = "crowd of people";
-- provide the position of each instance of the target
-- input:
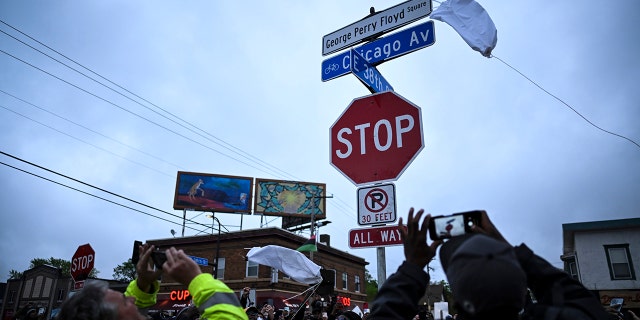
(489, 279)
(317, 308)
(31, 312)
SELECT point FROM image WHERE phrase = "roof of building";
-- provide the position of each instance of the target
(249, 234)
(602, 225)
(569, 229)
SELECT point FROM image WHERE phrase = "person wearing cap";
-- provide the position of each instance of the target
(214, 299)
(488, 277)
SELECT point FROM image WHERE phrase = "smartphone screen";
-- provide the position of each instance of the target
(444, 227)
(449, 226)
(616, 303)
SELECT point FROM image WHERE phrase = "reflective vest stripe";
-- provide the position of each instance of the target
(220, 298)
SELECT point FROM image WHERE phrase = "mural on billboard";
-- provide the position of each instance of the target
(213, 192)
(290, 198)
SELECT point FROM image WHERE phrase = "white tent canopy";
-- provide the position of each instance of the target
(293, 263)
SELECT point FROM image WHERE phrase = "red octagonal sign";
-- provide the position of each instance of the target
(82, 262)
(376, 138)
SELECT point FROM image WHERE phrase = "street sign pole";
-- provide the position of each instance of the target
(382, 265)
(376, 137)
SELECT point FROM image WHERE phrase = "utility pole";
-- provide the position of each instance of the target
(215, 260)
(313, 222)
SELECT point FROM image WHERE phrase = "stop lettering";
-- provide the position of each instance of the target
(382, 135)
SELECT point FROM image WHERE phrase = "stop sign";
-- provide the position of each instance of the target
(376, 138)
(82, 262)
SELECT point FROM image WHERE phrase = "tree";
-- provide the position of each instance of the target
(448, 296)
(371, 285)
(14, 274)
(125, 272)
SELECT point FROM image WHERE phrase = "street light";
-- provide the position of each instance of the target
(215, 263)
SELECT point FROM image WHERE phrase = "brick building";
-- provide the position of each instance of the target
(267, 285)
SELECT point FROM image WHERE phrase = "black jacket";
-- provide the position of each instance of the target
(398, 297)
(558, 295)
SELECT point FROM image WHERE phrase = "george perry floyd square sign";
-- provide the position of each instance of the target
(375, 24)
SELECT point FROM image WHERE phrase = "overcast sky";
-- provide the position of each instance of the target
(248, 73)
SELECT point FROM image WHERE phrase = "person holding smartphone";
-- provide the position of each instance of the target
(214, 299)
(488, 277)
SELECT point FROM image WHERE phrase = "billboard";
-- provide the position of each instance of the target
(213, 192)
(290, 198)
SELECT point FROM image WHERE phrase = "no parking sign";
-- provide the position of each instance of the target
(377, 204)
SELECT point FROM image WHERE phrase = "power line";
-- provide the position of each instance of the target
(226, 146)
(88, 185)
(93, 195)
(255, 159)
(113, 194)
(566, 104)
(89, 129)
(342, 207)
(127, 110)
(91, 144)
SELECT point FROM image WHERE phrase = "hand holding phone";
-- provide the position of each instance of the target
(159, 258)
(135, 256)
(616, 304)
(457, 224)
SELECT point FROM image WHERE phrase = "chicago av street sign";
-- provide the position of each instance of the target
(374, 237)
(368, 74)
(375, 25)
(381, 50)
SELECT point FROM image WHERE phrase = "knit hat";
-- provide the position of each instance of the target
(484, 275)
